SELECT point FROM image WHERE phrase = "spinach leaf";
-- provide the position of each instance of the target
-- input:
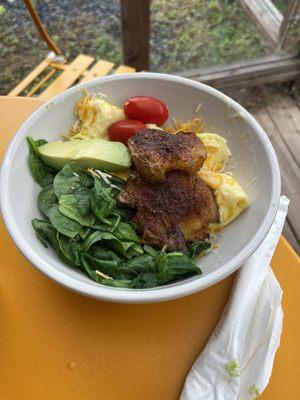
(108, 224)
(150, 250)
(84, 232)
(65, 249)
(102, 199)
(139, 264)
(108, 267)
(63, 224)
(46, 232)
(127, 249)
(77, 207)
(102, 227)
(43, 174)
(125, 232)
(89, 231)
(70, 249)
(47, 199)
(197, 248)
(145, 280)
(72, 180)
(103, 253)
(174, 265)
(134, 249)
(124, 283)
(88, 270)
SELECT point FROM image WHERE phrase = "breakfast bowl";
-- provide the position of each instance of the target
(253, 163)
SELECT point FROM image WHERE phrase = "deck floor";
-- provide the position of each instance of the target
(281, 121)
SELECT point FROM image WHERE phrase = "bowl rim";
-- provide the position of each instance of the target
(161, 293)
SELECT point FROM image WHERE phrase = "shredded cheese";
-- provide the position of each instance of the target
(103, 275)
(194, 125)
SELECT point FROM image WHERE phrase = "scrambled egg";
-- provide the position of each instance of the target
(95, 116)
(217, 151)
(194, 125)
(230, 196)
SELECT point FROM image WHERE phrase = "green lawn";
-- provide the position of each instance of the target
(184, 34)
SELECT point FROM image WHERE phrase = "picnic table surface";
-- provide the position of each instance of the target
(56, 344)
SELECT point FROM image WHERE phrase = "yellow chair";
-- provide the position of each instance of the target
(54, 75)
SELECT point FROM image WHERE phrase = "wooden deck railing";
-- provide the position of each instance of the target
(279, 31)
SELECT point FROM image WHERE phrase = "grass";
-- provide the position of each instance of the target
(194, 33)
(184, 34)
(282, 5)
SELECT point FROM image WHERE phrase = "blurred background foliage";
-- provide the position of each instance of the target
(184, 34)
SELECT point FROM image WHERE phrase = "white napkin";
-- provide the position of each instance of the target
(238, 358)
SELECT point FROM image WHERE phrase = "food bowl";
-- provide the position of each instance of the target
(253, 163)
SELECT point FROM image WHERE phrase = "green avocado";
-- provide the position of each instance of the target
(88, 153)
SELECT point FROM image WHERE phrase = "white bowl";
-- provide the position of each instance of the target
(252, 152)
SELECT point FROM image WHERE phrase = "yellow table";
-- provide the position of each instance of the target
(55, 344)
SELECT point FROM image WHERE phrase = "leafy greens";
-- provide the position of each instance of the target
(88, 230)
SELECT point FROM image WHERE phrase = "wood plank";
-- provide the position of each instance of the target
(275, 68)
(294, 110)
(290, 173)
(41, 83)
(123, 69)
(135, 32)
(68, 77)
(30, 78)
(266, 79)
(266, 17)
(290, 27)
(101, 68)
(59, 66)
(245, 70)
(269, 59)
(288, 130)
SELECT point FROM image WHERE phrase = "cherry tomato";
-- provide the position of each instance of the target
(121, 131)
(146, 109)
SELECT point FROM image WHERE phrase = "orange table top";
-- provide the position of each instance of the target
(56, 344)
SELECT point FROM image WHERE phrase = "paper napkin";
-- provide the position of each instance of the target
(237, 361)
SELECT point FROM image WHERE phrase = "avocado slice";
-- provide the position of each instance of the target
(88, 153)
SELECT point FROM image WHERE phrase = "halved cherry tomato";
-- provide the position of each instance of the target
(146, 109)
(121, 131)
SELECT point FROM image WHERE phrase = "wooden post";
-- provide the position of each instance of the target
(135, 29)
(40, 27)
(290, 27)
(266, 17)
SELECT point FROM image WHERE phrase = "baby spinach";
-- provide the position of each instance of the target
(146, 280)
(137, 265)
(46, 232)
(173, 265)
(109, 267)
(47, 199)
(125, 232)
(70, 248)
(102, 199)
(63, 224)
(72, 180)
(103, 253)
(77, 207)
(126, 249)
(89, 231)
(43, 174)
(197, 248)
